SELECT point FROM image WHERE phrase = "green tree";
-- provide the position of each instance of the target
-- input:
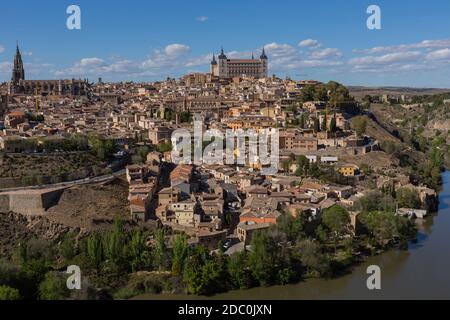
(239, 272)
(67, 247)
(269, 259)
(164, 147)
(160, 250)
(375, 200)
(359, 124)
(316, 125)
(338, 94)
(94, 250)
(204, 273)
(321, 233)
(262, 258)
(337, 220)
(387, 226)
(142, 152)
(408, 198)
(8, 293)
(292, 227)
(186, 116)
(302, 166)
(138, 252)
(169, 114)
(302, 121)
(101, 147)
(312, 258)
(333, 127)
(180, 252)
(36, 258)
(53, 287)
(320, 93)
(314, 170)
(114, 244)
(286, 165)
(307, 93)
(325, 121)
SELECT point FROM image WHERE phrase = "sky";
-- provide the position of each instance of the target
(147, 40)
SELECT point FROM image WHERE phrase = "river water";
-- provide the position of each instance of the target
(421, 272)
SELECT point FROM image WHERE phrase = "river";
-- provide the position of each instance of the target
(421, 272)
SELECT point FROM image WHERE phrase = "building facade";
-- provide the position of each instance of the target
(3, 104)
(229, 68)
(18, 84)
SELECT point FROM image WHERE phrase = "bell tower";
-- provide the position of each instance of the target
(18, 72)
(223, 65)
(264, 63)
(214, 70)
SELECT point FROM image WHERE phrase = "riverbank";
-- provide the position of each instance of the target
(421, 272)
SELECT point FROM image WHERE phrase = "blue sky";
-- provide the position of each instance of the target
(150, 40)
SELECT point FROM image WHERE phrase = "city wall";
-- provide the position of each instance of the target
(30, 202)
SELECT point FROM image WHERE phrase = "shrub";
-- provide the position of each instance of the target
(8, 293)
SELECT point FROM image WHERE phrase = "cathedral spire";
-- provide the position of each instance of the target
(18, 72)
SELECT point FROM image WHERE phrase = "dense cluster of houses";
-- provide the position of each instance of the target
(213, 202)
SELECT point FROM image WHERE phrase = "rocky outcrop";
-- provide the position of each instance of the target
(16, 228)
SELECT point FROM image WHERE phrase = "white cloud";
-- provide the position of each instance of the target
(279, 50)
(423, 55)
(5, 67)
(309, 43)
(91, 62)
(162, 62)
(2, 49)
(202, 18)
(97, 66)
(441, 54)
(425, 44)
(387, 58)
(176, 49)
(326, 53)
(31, 68)
(199, 61)
(175, 59)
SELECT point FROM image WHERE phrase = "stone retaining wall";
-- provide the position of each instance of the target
(30, 202)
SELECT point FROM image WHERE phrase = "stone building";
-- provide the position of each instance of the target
(229, 68)
(3, 104)
(18, 84)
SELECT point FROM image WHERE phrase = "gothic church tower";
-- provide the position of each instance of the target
(18, 72)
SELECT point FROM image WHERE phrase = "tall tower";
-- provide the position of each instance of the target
(264, 63)
(18, 73)
(223, 64)
(214, 71)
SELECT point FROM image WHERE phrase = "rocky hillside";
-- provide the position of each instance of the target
(16, 229)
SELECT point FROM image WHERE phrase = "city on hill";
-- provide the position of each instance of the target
(88, 178)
